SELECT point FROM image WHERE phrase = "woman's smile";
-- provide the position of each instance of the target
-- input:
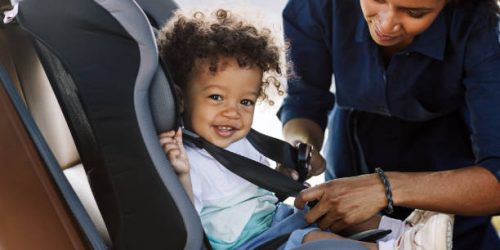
(384, 37)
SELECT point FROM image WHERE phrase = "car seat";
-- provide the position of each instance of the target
(101, 70)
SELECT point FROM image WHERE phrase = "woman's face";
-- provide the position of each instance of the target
(395, 23)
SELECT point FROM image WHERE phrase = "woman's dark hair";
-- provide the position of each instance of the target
(186, 39)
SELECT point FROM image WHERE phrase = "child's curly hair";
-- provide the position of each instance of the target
(186, 39)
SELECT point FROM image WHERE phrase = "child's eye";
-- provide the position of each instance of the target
(247, 102)
(415, 13)
(215, 97)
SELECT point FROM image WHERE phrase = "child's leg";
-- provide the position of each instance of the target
(332, 244)
(421, 230)
(301, 237)
(426, 230)
(286, 219)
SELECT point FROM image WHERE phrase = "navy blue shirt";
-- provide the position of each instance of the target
(434, 106)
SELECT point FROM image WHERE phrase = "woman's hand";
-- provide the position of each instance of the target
(171, 143)
(318, 165)
(344, 202)
(306, 131)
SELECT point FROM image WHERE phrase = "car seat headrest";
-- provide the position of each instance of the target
(163, 104)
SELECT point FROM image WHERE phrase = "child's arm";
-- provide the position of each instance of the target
(171, 142)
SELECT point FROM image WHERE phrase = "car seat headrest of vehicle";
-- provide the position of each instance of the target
(163, 104)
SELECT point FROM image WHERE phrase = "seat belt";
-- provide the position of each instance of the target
(297, 158)
(250, 170)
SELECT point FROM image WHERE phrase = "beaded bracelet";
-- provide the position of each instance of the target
(388, 192)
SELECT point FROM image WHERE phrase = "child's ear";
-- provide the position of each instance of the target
(180, 97)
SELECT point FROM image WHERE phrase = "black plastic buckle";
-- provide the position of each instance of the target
(304, 160)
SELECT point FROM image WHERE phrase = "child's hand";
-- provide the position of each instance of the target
(171, 142)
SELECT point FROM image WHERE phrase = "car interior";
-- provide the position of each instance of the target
(82, 98)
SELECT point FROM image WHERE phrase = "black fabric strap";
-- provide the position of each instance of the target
(252, 171)
(296, 158)
(274, 149)
(371, 235)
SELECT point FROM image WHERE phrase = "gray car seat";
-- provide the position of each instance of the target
(101, 59)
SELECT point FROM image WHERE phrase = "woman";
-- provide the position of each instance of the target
(417, 94)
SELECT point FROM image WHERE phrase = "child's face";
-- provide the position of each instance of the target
(219, 106)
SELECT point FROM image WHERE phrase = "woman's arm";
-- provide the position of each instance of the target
(349, 201)
(466, 191)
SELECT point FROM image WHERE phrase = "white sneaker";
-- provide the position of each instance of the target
(426, 230)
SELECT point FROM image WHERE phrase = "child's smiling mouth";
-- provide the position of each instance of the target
(224, 131)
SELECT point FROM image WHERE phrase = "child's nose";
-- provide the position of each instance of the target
(231, 111)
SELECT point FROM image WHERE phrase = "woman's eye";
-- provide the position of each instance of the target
(247, 102)
(415, 13)
(215, 97)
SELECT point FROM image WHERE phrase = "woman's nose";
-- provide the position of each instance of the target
(388, 21)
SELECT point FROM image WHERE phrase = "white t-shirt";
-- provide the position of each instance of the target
(226, 202)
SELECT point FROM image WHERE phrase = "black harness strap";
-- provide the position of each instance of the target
(275, 149)
(252, 171)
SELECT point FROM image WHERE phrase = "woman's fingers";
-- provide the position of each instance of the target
(310, 194)
(335, 226)
(287, 171)
(343, 202)
(318, 164)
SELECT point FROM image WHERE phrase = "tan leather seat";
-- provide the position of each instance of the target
(19, 57)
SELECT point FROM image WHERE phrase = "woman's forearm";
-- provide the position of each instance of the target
(466, 191)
